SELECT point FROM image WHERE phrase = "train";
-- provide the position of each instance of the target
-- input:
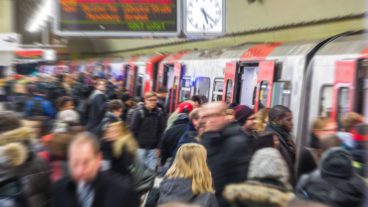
(327, 77)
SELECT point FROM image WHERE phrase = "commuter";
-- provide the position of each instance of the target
(147, 126)
(196, 102)
(189, 180)
(321, 126)
(86, 186)
(281, 123)
(37, 105)
(267, 183)
(20, 166)
(262, 119)
(360, 151)
(119, 148)
(171, 136)
(334, 183)
(348, 122)
(66, 112)
(113, 114)
(96, 106)
(194, 129)
(129, 106)
(226, 146)
(245, 117)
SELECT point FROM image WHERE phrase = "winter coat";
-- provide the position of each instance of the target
(97, 109)
(110, 190)
(190, 136)
(335, 182)
(180, 190)
(147, 127)
(228, 157)
(257, 194)
(17, 160)
(287, 148)
(47, 108)
(171, 136)
(121, 164)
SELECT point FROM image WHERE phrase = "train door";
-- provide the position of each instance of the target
(344, 88)
(174, 81)
(265, 82)
(131, 76)
(247, 84)
(229, 82)
(362, 87)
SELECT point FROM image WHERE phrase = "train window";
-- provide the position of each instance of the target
(202, 87)
(218, 88)
(263, 93)
(229, 88)
(185, 92)
(342, 102)
(281, 94)
(325, 101)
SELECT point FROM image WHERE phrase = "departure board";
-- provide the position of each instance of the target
(117, 18)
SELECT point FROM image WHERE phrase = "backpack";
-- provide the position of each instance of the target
(37, 108)
(143, 177)
(11, 193)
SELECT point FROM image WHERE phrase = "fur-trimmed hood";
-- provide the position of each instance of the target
(254, 194)
(15, 147)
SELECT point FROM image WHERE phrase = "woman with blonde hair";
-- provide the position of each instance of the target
(262, 119)
(189, 180)
(119, 147)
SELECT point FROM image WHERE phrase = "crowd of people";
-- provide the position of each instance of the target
(79, 140)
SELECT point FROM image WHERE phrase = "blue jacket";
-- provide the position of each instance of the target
(47, 107)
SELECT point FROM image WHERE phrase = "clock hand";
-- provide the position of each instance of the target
(205, 15)
(209, 17)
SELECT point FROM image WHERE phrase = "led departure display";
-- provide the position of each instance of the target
(117, 17)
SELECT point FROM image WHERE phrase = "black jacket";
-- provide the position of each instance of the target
(228, 158)
(172, 135)
(107, 119)
(180, 190)
(147, 127)
(110, 190)
(287, 148)
(96, 110)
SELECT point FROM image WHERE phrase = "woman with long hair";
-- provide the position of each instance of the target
(189, 180)
(119, 147)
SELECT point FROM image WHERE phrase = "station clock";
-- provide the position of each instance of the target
(204, 17)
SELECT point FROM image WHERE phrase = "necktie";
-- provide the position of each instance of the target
(85, 195)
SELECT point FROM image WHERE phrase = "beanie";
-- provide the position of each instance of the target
(242, 113)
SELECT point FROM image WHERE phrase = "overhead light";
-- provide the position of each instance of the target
(44, 12)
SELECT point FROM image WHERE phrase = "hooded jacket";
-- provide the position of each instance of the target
(268, 182)
(180, 190)
(335, 183)
(17, 160)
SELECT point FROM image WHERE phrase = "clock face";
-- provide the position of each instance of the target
(204, 16)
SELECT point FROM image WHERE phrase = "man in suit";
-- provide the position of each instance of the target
(87, 186)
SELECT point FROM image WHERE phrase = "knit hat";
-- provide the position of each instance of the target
(125, 97)
(242, 113)
(267, 163)
(68, 116)
(185, 107)
(336, 163)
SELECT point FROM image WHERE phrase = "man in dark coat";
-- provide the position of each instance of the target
(281, 124)
(226, 147)
(172, 135)
(88, 187)
(96, 105)
(147, 125)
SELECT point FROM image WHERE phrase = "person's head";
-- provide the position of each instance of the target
(124, 140)
(350, 120)
(245, 117)
(197, 102)
(65, 103)
(58, 145)
(115, 107)
(127, 100)
(195, 117)
(262, 119)
(281, 116)
(185, 107)
(329, 141)
(84, 157)
(230, 115)
(214, 116)
(190, 162)
(100, 84)
(267, 163)
(20, 87)
(323, 126)
(9, 121)
(150, 100)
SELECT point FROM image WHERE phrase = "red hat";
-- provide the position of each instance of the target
(185, 107)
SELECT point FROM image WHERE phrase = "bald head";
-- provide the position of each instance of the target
(214, 116)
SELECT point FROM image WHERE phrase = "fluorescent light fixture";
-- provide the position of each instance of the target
(41, 16)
